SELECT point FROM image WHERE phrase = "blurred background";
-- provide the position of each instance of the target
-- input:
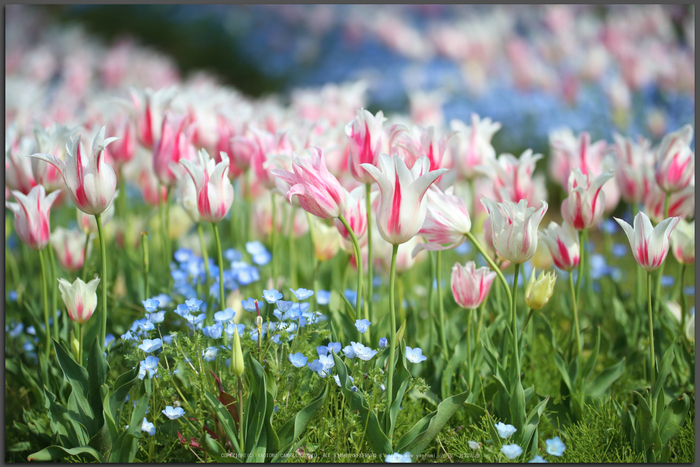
(602, 69)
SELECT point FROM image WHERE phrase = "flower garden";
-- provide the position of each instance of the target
(500, 271)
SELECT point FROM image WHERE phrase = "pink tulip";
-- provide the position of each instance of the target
(649, 244)
(267, 145)
(424, 143)
(446, 222)
(683, 242)
(563, 245)
(122, 151)
(512, 178)
(19, 175)
(681, 203)
(569, 153)
(50, 141)
(633, 173)
(355, 214)
(402, 202)
(470, 286)
(224, 143)
(365, 135)
(90, 180)
(471, 146)
(69, 246)
(317, 190)
(174, 145)
(80, 298)
(32, 216)
(514, 228)
(675, 161)
(214, 189)
(148, 108)
(586, 202)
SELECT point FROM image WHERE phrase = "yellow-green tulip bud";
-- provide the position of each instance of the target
(237, 357)
(75, 347)
(538, 291)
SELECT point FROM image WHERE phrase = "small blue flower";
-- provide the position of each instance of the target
(168, 339)
(362, 325)
(17, 330)
(555, 446)
(151, 304)
(298, 359)
(383, 342)
(349, 351)
(129, 337)
(182, 255)
(31, 331)
(261, 259)
(232, 255)
(538, 460)
(302, 294)
(609, 226)
(209, 354)
(271, 296)
(225, 316)
(163, 300)
(505, 431)
(144, 325)
(255, 247)
(327, 361)
(284, 305)
(149, 345)
(248, 305)
(12, 295)
(667, 281)
(156, 317)
(334, 346)
(689, 290)
(181, 309)
(150, 365)
(353, 389)
(231, 328)
(415, 355)
(323, 297)
(318, 367)
(173, 413)
(213, 331)
(619, 250)
(193, 304)
(148, 427)
(337, 380)
(511, 451)
(397, 458)
(322, 350)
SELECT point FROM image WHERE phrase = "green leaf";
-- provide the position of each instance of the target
(273, 442)
(533, 420)
(418, 437)
(97, 376)
(256, 405)
(561, 366)
(648, 433)
(664, 370)
(53, 453)
(125, 447)
(295, 426)
(517, 406)
(225, 418)
(69, 431)
(673, 417)
(402, 378)
(604, 380)
(216, 451)
(590, 363)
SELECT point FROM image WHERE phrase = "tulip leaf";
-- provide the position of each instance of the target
(224, 416)
(273, 442)
(216, 451)
(69, 431)
(53, 453)
(97, 368)
(604, 380)
(673, 417)
(591, 361)
(256, 405)
(533, 420)
(664, 370)
(423, 432)
(517, 406)
(125, 447)
(561, 366)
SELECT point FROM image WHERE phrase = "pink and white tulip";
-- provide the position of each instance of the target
(681, 203)
(317, 190)
(123, 150)
(470, 286)
(424, 143)
(512, 177)
(514, 228)
(633, 173)
(214, 189)
(147, 111)
(90, 180)
(586, 202)
(32, 216)
(186, 196)
(19, 175)
(563, 245)
(650, 245)
(87, 222)
(268, 145)
(50, 141)
(402, 202)
(365, 134)
(675, 161)
(174, 145)
(570, 152)
(80, 298)
(683, 242)
(446, 222)
(69, 246)
(356, 216)
(471, 147)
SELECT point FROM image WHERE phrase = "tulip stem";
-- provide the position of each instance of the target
(370, 273)
(577, 330)
(527, 320)
(441, 308)
(358, 260)
(240, 411)
(314, 260)
(580, 265)
(469, 343)
(684, 304)
(203, 246)
(651, 329)
(103, 282)
(392, 339)
(54, 308)
(273, 237)
(495, 268)
(144, 249)
(85, 255)
(292, 251)
(513, 317)
(80, 343)
(221, 266)
(44, 297)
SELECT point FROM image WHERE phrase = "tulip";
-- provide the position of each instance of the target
(563, 245)
(472, 145)
(186, 196)
(318, 191)
(80, 300)
(32, 216)
(470, 286)
(633, 172)
(680, 203)
(675, 161)
(512, 178)
(538, 292)
(147, 110)
(683, 242)
(91, 182)
(50, 141)
(514, 228)
(402, 202)
(424, 143)
(174, 145)
(18, 167)
(585, 204)
(224, 143)
(326, 241)
(88, 224)
(570, 152)
(268, 144)
(122, 151)
(365, 135)
(355, 214)
(237, 356)
(70, 248)
(446, 221)
(650, 245)
(214, 189)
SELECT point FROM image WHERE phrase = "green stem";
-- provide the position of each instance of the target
(488, 259)
(659, 277)
(45, 301)
(144, 249)
(292, 251)
(54, 283)
(205, 256)
(370, 267)
(580, 264)
(80, 343)
(469, 340)
(513, 318)
(240, 411)
(85, 255)
(221, 268)
(530, 312)
(651, 329)
(684, 303)
(392, 338)
(314, 260)
(168, 253)
(273, 236)
(574, 300)
(103, 282)
(441, 308)
(481, 322)
(358, 259)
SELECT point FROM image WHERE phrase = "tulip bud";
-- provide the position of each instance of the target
(237, 356)
(538, 292)
(75, 346)
(80, 298)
